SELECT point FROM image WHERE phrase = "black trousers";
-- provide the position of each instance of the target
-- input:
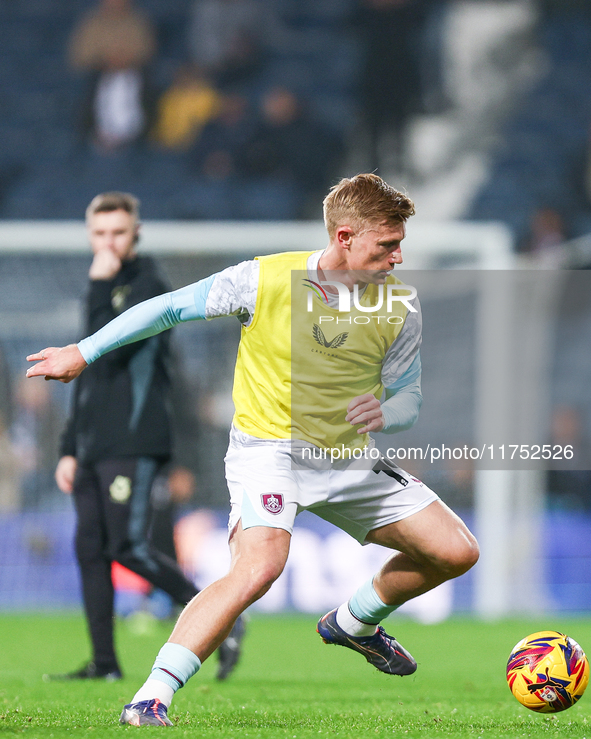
(112, 500)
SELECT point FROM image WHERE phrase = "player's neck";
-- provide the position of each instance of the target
(333, 266)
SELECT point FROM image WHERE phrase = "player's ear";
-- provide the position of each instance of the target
(343, 236)
(136, 236)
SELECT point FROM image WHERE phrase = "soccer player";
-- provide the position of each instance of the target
(297, 392)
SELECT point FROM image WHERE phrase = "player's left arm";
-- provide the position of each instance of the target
(401, 407)
(401, 375)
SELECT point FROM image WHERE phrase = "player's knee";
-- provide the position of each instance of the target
(267, 574)
(461, 556)
(261, 576)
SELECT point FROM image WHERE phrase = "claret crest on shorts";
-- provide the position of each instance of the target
(272, 502)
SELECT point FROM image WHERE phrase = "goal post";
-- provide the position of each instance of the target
(428, 245)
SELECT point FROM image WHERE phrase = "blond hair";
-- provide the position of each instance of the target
(107, 202)
(365, 200)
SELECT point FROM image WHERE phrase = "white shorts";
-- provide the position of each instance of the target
(267, 489)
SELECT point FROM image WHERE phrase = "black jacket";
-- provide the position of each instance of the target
(121, 401)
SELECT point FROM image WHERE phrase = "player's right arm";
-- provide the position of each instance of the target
(231, 292)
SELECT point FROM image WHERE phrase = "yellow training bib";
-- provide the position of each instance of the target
(301, 362)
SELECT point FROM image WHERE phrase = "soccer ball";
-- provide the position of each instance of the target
(547, 672)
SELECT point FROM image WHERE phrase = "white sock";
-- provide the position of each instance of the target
(154, 689)
(351, 625)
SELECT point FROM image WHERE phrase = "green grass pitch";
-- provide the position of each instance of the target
(288, 685)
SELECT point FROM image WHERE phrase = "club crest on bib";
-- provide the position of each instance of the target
(272, 502)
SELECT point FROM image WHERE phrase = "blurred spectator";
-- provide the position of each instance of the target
(225, 39)
(184, 109)
(547, 237)
(218, 152)
(114, 43)
(391, 32)
(119, 107)
(114, 29)
(288, 143)
(567, 427)
(35, 438)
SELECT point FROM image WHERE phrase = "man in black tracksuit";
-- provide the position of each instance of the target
(118, 438)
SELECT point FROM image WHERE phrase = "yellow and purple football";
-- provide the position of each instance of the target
(547, 672)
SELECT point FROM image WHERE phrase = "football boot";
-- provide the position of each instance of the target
(379, 649)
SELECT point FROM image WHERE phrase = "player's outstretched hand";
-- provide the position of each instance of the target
(57, 363)
(365, 409)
